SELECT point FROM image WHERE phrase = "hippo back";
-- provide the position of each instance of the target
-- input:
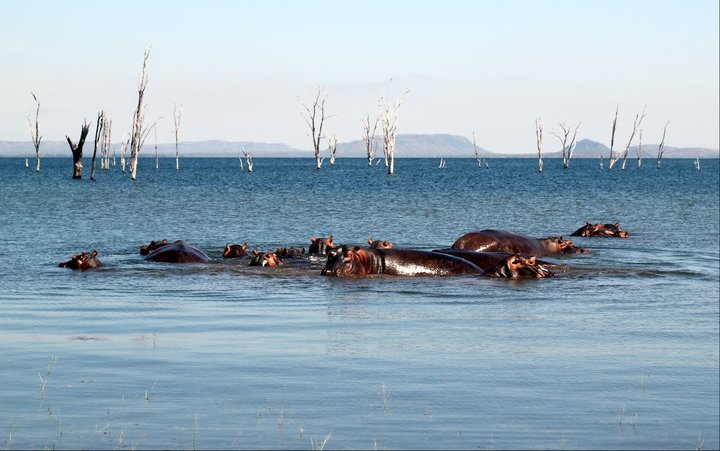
(499, 241)
(178, 252)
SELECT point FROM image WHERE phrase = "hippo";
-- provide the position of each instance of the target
(511, 243)
(86, 260)
(292, 252)
(147, 248)
(379, 244)
(488, 260)
(610, 230)
(178, 252)
(235, 250)
(364, 261)
(320, 246)
(265, 259)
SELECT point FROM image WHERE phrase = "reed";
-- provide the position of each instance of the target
(319, 446)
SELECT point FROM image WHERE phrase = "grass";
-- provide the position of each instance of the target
(44, 380)
(319, 446)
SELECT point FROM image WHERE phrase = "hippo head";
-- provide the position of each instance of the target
(320, 246)
(235, 250)
(379, 244)
(516, 266)
(82, 262)
(347, 262)
(588, 230)
(146, 249)
(284, 252)
(558, 245)
(265, 259)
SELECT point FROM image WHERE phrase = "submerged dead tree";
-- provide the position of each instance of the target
(105, 159)
(248, 160)
(477, 156)
(369, 138)
(538, 139)
(176, 120)
(390, 127)
(636, 125)
(35, 134)
(332, 147)
(99, 126)
(661, 147)
(315, 119)
(639, 150)
(613, 158)
(137, 134)
(567, 149)
(77, 151)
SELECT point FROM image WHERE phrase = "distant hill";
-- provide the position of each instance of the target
(408, 145)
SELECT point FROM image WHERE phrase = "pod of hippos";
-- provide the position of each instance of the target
(489, 253)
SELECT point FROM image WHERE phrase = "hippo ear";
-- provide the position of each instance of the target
(329, 240)
(532, 260)
(312, 238)
(255, 252)
(94, 253)
(387, 243)
(370, 241)
(227, 247)
(244, 246)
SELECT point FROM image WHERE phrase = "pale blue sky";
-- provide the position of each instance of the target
(241, 69)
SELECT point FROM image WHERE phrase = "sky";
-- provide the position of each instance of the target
(242, 70)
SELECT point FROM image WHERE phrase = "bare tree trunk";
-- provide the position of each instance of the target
(123, 148)
(613, 159)
(390, 126)
(477, 156)
(35, 134)
(661, 147)
(137, 138)
(538, 139)
(636, 124)
(98, 136)
(333, 149)
(369, 137)
(639, 150)
(77, 151)
(157, 159)
(105, 161)
(316, 124)
(176, 120)
(248, 159)
(567, 149)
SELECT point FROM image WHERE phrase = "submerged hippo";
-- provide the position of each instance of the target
(291, 252)
(178, 252)
(488, 260)
(362, 262)
(379, 244)
(320, 246)
(147, 248)
(610, 230)
(235, 250)
(83, 261)
(511, 243)
(265, 259)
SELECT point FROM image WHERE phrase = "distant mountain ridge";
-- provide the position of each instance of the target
(408, 145)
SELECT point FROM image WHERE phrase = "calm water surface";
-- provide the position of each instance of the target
(619, 351)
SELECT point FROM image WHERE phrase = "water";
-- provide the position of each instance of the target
(620, 351)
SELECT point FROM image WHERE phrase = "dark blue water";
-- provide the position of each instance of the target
(619, 351)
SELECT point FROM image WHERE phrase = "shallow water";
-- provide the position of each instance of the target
(619, 351)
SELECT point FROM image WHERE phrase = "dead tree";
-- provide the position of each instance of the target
(157, 159)
(138, 133)
(176, 120)
(390, 126)
(77, 151)
(105, 160)
(636, 124)
(248, 160)
(639, 150)
(613, 158)
(333, 149)
(316, 124)
(661, 147)
(567, 149)
(369, 138)
(35, 134)
(538, 139)
(123, 148)
(477, 156)
(100, 124)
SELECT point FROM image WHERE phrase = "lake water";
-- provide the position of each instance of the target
(619, 351)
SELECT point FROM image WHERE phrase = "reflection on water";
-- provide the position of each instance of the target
(620, 350)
